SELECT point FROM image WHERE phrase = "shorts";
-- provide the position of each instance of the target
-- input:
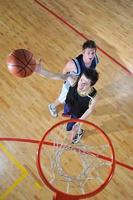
(64, 91)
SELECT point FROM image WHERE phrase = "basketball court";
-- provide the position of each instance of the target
(35, 154)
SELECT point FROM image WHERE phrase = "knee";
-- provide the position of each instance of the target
(69, 126)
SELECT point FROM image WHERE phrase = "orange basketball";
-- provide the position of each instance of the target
(21, 63)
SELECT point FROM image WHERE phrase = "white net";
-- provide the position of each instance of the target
(91, 165)
(76, 168)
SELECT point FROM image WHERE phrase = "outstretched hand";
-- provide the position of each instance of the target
(48, 74)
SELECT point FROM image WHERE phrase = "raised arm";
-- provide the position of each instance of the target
(68, 70)
(86, 114)
(69, 67)
(90, 109)
(47, 74)
(56, 76)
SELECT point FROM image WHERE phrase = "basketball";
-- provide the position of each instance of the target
(21, 63)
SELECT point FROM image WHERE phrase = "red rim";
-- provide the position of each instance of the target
(60, 193)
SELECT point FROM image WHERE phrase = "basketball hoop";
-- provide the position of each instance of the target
(95, 161)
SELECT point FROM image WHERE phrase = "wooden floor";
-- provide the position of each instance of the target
(24, 102)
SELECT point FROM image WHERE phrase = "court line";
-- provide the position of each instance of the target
(82, 35)
(18, 180)
(25, 140)
(38, 186)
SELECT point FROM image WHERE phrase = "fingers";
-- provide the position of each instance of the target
(38, 65)
(40, 60)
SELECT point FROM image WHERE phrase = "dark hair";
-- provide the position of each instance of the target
(89, 44)
(91, 74)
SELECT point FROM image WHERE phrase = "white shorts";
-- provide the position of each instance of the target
(64, 91)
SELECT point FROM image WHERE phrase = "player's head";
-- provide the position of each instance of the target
(88, 78)
(89, 50)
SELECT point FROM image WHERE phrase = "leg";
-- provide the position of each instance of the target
(71, 124)
(61, 99)
(79, 132)
(67, 110)
(56, 103)
(78, 136)
(52, 108)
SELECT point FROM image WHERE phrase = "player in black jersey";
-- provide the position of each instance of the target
(81, 100)
(87, 59)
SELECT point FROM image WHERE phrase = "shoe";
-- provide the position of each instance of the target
(78, 136)
(53, 110)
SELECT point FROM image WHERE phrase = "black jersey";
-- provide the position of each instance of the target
(79, 104)
(80, 65)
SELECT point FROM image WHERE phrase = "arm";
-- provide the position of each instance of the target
(69, 67)
(57, 76)
(90, 109)
(68, 70)
(47, 74)
(86, 114)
